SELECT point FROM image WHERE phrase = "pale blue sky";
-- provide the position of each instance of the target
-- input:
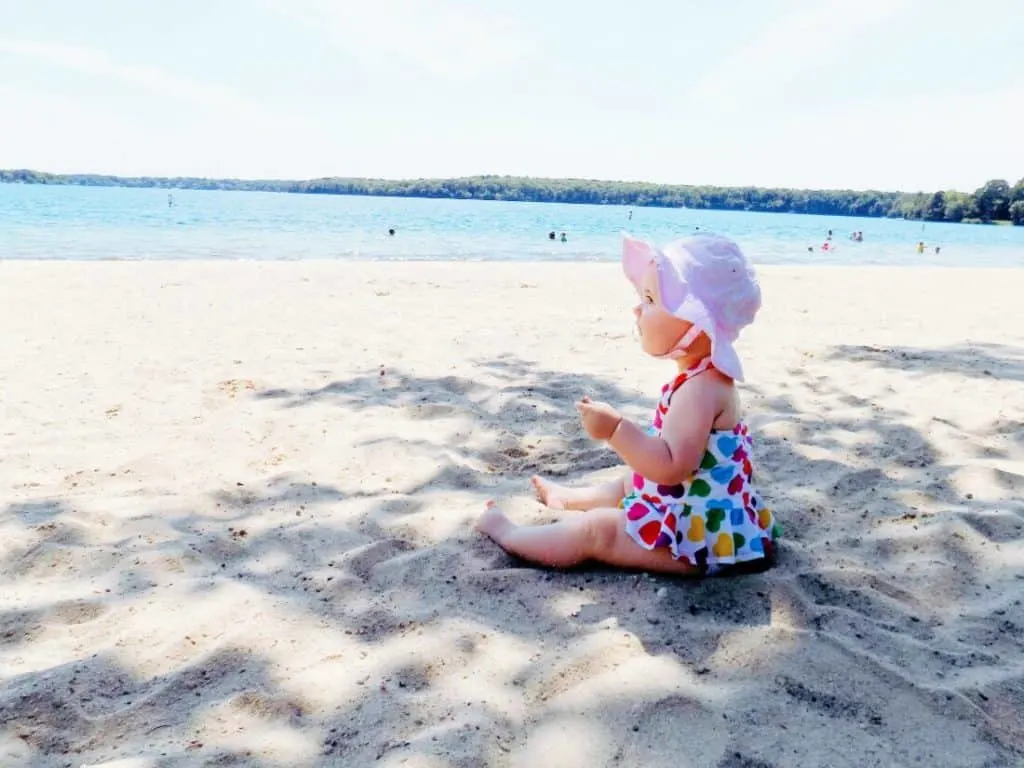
(907, 94)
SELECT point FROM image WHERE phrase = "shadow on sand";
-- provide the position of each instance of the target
(836, 636)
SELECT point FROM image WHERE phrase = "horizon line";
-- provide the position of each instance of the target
(411, 179)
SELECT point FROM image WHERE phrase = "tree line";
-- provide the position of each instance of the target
(996, 200)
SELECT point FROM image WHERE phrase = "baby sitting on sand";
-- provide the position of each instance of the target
(688, 504)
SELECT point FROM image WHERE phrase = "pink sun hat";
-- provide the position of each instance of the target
(706, 280)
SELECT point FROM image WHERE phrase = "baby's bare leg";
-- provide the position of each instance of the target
(590, 497)
(600, 535)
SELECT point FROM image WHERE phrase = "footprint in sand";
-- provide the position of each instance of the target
(509, 458)
(75, 612)
(837, 707)
(580, 670)
(870, 597)
(414, 677)
(374, 625)
(421, 566)
(996, 526)
(853, 483)
(1003, 427)
(1010, 481)
(260, 705)
(739, 760)
(363, 560)
(1003, 704)
(428, 411)
(19, 627)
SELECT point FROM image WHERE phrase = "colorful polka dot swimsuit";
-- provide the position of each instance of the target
(713, 518)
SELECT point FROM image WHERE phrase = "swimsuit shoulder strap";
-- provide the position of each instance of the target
(669, 389)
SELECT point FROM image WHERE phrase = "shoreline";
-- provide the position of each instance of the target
(598, 262)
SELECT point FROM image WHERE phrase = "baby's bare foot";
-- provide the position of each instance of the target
(550, 494)
(493, 522)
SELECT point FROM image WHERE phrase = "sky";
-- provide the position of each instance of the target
(864, 94)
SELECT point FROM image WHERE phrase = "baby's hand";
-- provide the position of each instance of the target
(599, 419)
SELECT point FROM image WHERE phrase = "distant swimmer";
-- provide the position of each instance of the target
(391, 233)
(631, 215)
(920, 247)
(563, 238)
(937, 250)
(170, 200)
(551, 235)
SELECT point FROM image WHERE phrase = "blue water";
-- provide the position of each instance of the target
(57, 222)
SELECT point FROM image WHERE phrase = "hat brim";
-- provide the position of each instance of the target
(637, 256)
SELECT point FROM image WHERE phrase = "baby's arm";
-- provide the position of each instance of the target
(675, 455)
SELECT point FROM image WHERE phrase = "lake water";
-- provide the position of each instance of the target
(66, 222)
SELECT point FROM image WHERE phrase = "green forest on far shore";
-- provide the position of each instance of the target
(994, 201)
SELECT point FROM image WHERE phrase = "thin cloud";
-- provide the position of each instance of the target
(97, 62)
(223, 134)
(444, 38)
(907, 144)
(788, 47)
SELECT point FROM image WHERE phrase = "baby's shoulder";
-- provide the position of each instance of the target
(711, 381)
(687, 392)
(712, 393)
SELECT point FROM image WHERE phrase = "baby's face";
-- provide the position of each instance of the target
(659, 330)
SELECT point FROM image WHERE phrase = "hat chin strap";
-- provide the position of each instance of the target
(683, 344)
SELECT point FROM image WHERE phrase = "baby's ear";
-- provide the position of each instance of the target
(636, 256)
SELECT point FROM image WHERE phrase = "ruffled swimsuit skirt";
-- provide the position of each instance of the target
(713, 518)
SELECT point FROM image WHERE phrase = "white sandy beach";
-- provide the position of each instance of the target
(235, 508)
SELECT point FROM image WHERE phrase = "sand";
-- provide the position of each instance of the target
(236, 498)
